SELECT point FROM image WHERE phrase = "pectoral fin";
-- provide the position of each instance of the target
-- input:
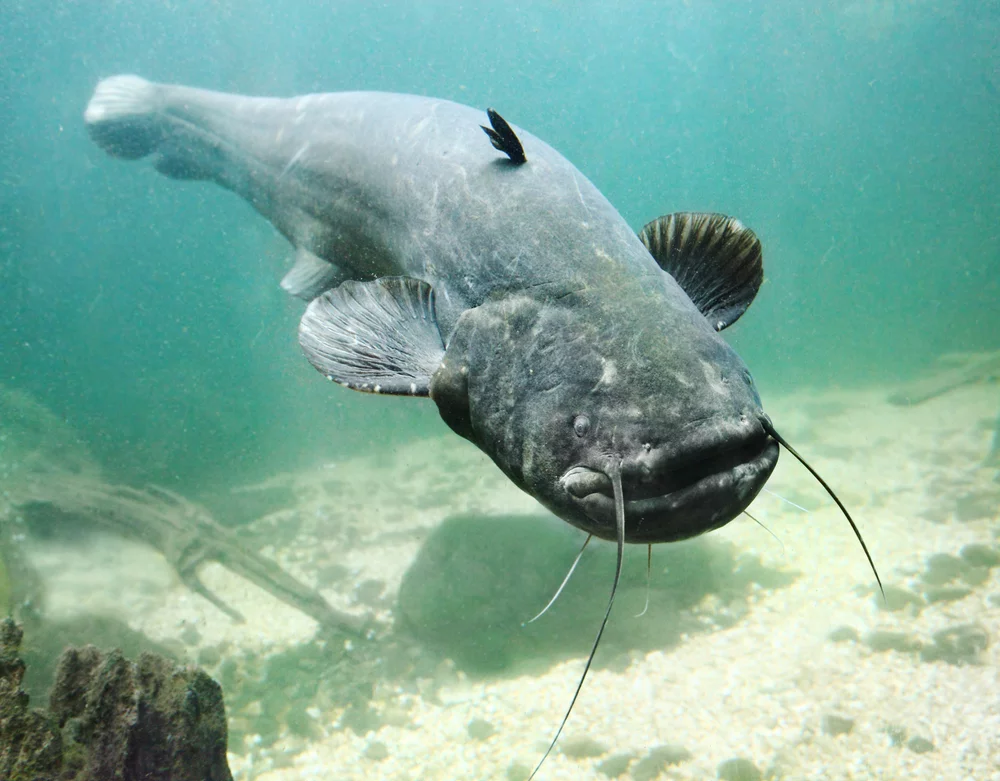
(380, 336)
(716, 260)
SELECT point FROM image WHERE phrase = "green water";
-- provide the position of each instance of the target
(144, 339)
(859, 139)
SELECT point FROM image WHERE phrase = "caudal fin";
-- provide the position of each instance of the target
(123, 116)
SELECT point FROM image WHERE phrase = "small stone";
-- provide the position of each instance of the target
(960, 644)
(979, 555)
(942, 568)
(837, 725)
(897, 734)
(518, 771)
(897, 598)
(919, 745)
(946, 593)
(844, 634)
(376, 751)
(583, 747)
(616, 765)
(480, 729)
(976, 576)
(880, 640)
(994, 600)
(738, 769)
(657, 760)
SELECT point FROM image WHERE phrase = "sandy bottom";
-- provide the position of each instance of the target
(762, 689)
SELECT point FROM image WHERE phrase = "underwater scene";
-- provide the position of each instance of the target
(458, 390)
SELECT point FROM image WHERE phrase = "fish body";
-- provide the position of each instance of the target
(509, 291)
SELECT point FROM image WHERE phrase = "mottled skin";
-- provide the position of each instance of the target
(568, 349)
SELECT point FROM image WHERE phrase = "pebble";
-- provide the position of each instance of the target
(657, 760)
(376, 751)
(843, 634)
(979, 555)
(837, 725)
(897, 598)
(994, 600)
(616, 765)
(480, 729)
(960, 644)
(919, 745)
(738, 769)
(518, 771)
(583, 747)
(942, 568)
(884, 640)
(946, 593)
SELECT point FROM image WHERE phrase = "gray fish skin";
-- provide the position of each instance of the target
(568, 349)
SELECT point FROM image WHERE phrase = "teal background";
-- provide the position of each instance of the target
(860, 140)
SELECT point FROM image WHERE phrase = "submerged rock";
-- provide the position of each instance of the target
(960, 644)
(880, 640)
(738, 769)
(657, 760)
(943, 568)
(979, 555)
(480, 729)
(111, 719)
(898, 598)
(919, 745)
(844, 634)
(833, 724)
(583, 747)
(30, 744)
(616, 765)
(946, 593)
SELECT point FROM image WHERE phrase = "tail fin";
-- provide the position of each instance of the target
(122, 117)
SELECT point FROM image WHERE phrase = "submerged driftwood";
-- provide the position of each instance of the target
(110, 718)
(187, 536)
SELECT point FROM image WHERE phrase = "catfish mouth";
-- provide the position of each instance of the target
(693, 494)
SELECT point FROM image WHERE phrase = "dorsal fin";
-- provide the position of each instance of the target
(503, 137)
(716, 260)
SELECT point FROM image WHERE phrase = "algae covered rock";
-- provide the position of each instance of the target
(148, 720)
(30, 744)
(110, 718)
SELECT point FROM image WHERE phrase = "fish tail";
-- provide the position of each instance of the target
(123, 116)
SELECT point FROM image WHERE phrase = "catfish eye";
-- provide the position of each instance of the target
(748, 378)
(581, 425)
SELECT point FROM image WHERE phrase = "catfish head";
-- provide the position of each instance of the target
(560, 393)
